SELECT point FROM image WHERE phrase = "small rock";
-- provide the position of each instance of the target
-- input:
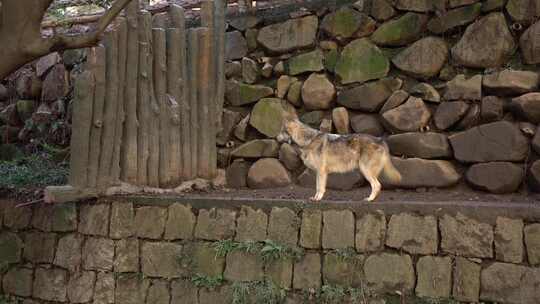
(244, 22)
(239, 94)
(423, 59)
(396, 99)
(307, 62)
(289, 157)
(313, 118)
(326, 125)
(492, 109)
(447, 73)
(401, 31)
(250, 70)
(367, 26)
(268, 173)
(454, 19)
(28, 86)
(528, 44)
(495, 177)
(318, 92)
(523, 11)
(466, 237)
(266, 70)
(420, 6)
(233, 69)
(497, 141)
(73, 57)
(476, 48)
(416, 172)
(461, 88)
(235, 46)
(448, 113)
(290, 35)
(426, 92)
(471, 118)
(527, 106)
(55, 85)
(342, 23)
(283, 84)
(229, 120)
(257, 148)
(382, 10)
(295, 93)
(236, 174)
(422, 145)
(45, 63)
(511, 82)
(361, 61)
(369, 97)
(340, 116)
(367, 124)
(408, 117)
(279, 68)
(457, 3)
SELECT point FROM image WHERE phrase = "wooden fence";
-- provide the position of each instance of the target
(145, 108)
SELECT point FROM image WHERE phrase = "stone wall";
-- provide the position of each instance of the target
(452, 85)
(202, 251)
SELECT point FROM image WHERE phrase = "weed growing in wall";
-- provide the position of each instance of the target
(202, 281)
(267, 250)
(263, 292)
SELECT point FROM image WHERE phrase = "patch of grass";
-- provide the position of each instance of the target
(333, 294)
(224, 247)
(346, 254)
(208, 282)
(263, 292)
(274, 251)
(33, 171)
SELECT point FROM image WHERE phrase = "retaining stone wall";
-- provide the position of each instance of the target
(124, 252)
(452, 85)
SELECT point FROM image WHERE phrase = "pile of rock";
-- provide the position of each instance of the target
(451, 110)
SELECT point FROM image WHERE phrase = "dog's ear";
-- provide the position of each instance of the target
(289, 112)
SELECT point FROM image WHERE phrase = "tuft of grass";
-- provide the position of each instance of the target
(263, 292)
(273, 251)
(208, 282)
(33, 171)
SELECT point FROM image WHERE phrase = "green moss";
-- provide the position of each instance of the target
(454, 18)
(251, 93)
(267, 116)
(400, 31)
(343, 23)
(307, 62)
(361, 61)
(330, 60)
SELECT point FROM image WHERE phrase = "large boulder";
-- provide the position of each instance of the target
(511, 82)
(239, 93)
(367, 124)
(336, 181)
(369, 97)
(529, 42)
(268, 173)
(448, 113)
(477, 49)
(361, 61)
(307, 62)
(497, 141)
(424, 58)
(408, 117)
(523, 11)
(527, 106)
(318, 92)
(289, 35)
(235, 45)
(461, 88)
(257, 148)
(416, 173)
(401, 31)
(267, 116)
(454, 19)
(342, 23)
(495, 177)
(422, 145)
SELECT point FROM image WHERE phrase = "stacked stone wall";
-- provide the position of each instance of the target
(211, 251)
(452, 85)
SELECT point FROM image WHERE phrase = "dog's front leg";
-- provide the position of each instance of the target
(317, 186)
(321, 185)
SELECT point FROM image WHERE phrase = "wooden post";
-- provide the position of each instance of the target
(80, 137)
(153, 143)
(96, 60)
(120, 115)
(193, 59)
(160, 86)
(129, 145)
(174, 96)
(219, 43)
(109, 119)
(144, 98)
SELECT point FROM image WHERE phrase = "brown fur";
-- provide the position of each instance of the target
(331, 153)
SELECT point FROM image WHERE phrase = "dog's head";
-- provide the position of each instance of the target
(290, 119)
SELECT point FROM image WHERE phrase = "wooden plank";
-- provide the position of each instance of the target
(193, 55)
(81, 124)
(66, 194)
(204, 100)
(219, 42)
(174, 81)
(160, 87)
(129, 145)
(120, 113)
(111, 97)
(153, 141)
(96, 60)
(144, 98)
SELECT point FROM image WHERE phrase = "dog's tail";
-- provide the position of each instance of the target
(389, 170)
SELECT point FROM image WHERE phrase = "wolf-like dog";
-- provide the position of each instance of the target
(327, 153)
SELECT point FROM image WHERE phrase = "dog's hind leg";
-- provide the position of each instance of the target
(371, 171)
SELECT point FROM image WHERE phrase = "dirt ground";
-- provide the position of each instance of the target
(458, 193)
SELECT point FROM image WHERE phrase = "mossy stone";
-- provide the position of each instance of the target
(454, 18)
(307, 62)
(10, 248)
(361, 61)
(267, 116)
(25, 108)
(401, 31)
(330, 60)
(342, 23)
(239, 94)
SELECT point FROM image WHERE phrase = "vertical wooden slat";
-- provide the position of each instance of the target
(204, 100)
(174, 81)
(219, 42)
(80, 137)
(160, 87)
(129, 145)
(96, 60)
(153, 157)
(193, 55)
(144, 97)
(120, 113)
(109, 117)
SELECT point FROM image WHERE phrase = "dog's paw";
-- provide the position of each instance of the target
(369, 199)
